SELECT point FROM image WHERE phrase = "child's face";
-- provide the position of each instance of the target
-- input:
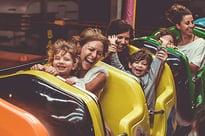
(91, 53)
(139, 68)
(63, 63)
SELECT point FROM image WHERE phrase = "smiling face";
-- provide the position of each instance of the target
(139, 62)
(91, 53)
(63, 63)
(122, 41)
(139, 68)
(186, 25)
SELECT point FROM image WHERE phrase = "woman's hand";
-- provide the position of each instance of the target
(113, 46)
(69, 81)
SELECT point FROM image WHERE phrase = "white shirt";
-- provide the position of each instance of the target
(195, 52)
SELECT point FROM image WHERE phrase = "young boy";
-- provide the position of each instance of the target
(62, 59)
(146, 70)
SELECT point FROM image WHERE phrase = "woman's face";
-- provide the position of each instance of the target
(91, 53)
(122, 41)
(139, 68)
(186, 25)
(63, 63)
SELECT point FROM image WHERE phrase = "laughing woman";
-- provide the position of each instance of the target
(92, 49)
(190, 44)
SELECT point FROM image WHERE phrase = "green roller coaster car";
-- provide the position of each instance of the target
(190, 95)
(200, 24)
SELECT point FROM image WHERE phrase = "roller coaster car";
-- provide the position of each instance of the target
(66, 110)
(17, 122)
(190, 95)
(62, 109)
(200, 24)
(164, 102)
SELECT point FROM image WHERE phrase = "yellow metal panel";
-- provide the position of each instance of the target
(123, 103)
(165, 99)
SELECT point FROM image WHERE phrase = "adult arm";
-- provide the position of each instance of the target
(194, 68)
(93, 81)
(97, 83)
(115, 61)
(197, 60)
(195, 53)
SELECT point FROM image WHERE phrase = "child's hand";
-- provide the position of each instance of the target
(51, 70)
(113, 46)
(69, 81)
(38, 67)
(166, 43)
(162, 54)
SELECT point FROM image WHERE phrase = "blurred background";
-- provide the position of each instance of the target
(30, 26)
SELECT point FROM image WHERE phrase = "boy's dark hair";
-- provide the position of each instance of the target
(118, 26)
(141, 55)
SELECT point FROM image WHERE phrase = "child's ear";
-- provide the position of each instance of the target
(75, 64)
(129, 65)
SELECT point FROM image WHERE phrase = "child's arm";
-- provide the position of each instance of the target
(157, 65)
(151, 79)
(162, 54)
(115, 61)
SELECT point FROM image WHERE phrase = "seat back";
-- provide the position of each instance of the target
(66, 110)
(123, 103)
(18, 122)
(165, 99)
(62, 109)
(200, 24)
